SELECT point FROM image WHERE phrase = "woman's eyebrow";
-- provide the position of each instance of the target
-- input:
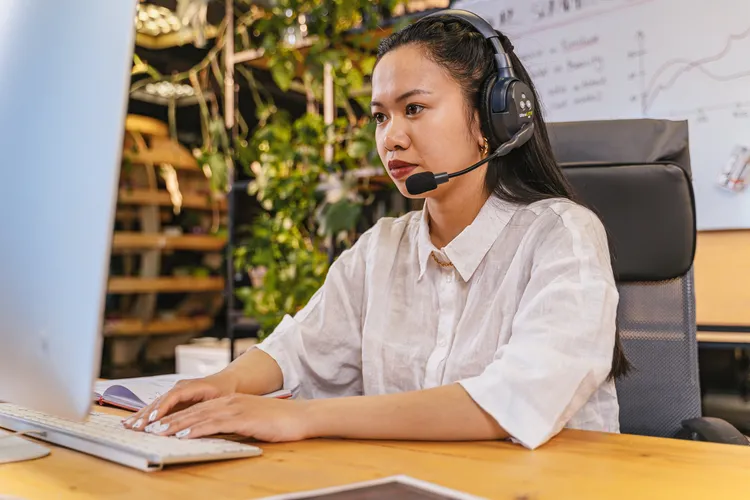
(403, 96)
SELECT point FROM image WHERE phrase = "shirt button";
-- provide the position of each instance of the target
(442, 343)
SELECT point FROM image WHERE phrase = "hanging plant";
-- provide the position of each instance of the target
(309, 200)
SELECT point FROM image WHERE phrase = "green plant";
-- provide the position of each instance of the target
(285, 248)
(310, 203)
(281, 250)
(310, 200)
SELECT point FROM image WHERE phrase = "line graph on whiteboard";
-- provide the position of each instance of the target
(661, 59)
(730, 65)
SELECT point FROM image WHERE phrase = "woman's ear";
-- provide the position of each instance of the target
(476, 130)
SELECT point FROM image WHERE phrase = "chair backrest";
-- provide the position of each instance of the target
(635, 174)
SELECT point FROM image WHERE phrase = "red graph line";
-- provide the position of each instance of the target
(652, 94)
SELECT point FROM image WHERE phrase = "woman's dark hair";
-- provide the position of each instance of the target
(529, 173)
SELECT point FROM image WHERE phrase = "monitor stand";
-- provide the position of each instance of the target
(18, 448)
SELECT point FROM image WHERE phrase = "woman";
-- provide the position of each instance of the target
(490, 314)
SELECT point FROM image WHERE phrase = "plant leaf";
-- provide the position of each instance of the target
(283, 74)
(341, 216)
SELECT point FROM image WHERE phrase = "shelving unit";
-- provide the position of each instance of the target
(161, 293)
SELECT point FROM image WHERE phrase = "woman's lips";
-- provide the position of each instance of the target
(400, 169)
(399, 173)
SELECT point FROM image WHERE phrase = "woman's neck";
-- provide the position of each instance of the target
(448, 217)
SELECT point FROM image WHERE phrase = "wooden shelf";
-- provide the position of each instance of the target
(157, 326)
(164, 284)
(163, 150)
(143, 241)
(128, 215)
(146, 125)
(174, 39)
(148, 197)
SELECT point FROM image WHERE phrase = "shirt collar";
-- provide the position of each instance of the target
(468, 249)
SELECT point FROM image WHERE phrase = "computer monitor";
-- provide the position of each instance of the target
(64, 78)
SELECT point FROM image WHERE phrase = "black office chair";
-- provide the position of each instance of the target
(635, 174)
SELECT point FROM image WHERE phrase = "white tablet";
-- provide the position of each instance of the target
(401, 487)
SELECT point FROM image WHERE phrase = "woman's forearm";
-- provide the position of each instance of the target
(255, 372)
(443, 414)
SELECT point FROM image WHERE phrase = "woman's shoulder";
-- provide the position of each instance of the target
(555, 207)
(547, 220)
(395, 226)
(389, 229)
(559, 211)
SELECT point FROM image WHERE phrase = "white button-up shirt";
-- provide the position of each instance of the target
(523, 318)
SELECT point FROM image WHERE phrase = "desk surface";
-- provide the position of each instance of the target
(574, 465)
(722, 271)
(738, 338)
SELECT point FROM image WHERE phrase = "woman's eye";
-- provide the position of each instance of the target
(379, 117)
(413, 109)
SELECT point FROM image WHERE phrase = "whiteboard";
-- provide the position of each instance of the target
(671, 59)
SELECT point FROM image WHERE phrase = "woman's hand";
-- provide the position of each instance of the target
(265, 419)
(184, 394)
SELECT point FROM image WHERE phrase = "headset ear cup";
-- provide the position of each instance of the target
(485, 112)
(521, 106)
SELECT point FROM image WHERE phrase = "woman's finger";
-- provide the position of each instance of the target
(140, 418)
(210, 427)
(162, 406)
(135, 421)
(174, 423)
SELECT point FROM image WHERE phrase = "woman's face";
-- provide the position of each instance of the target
(422, 123)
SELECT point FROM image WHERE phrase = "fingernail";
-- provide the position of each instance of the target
(137, 424)
(183, 433)
(156, 427)
(152, 417)
(127, 421)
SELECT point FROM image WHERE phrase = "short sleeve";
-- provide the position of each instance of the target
(319, 348)
(563, 333)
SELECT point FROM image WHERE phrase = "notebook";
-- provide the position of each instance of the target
(136, 393)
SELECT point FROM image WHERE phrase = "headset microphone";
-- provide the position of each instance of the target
(427, 181)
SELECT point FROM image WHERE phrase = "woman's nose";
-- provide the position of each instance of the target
(396, 138)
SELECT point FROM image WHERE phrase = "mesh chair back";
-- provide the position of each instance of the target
(657, 327)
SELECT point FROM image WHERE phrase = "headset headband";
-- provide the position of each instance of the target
(504, 66)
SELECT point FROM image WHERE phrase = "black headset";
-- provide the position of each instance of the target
(506, 103)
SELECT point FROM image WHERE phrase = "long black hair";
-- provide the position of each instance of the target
(529, 173)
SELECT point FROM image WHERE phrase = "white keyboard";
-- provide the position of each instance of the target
(104, 436)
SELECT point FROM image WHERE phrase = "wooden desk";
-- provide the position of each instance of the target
(574, 465)
(723, 338)
(722, 279)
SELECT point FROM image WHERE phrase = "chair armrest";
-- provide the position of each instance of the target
(713, 430)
